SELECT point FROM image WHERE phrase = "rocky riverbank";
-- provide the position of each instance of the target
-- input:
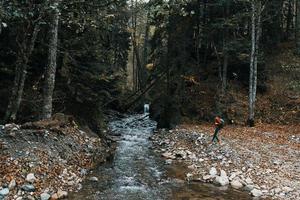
(263, 161)
(47, 159)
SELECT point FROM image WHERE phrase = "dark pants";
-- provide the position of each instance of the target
(215, 137)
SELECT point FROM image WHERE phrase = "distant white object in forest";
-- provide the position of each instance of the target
(146, 108)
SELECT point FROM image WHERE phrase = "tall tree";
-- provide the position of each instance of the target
(274, 25)
(25, 43)
(20, 76)
(256, 9)
(51, 67)
(146, 41)
(1, 15)
(225, 47)
(297, 27)
(289, 19)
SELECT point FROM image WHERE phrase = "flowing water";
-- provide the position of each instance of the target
(136, 172)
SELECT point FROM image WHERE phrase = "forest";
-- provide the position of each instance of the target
(75, 76)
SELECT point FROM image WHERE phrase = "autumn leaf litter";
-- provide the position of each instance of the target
(263, 160)
(46, 159)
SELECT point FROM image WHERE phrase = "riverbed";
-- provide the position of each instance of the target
(137, 171)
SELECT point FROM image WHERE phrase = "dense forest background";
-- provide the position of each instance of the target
(190, 59)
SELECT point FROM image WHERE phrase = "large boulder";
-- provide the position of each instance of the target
(221, 180)
(256, 192)
(236, 184)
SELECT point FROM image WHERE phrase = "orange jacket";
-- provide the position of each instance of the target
(218, 121)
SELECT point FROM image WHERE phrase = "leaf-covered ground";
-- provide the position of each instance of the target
(265, 157)
(56, 151)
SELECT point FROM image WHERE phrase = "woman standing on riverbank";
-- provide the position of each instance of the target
(219, 123)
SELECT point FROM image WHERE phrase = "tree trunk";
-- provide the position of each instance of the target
(204, 31)
(225, 50)
(20, 76)
(145, 47)
(255, 37)
(275, 11)
(138, 64)
(224, 73)
(252, 58)
(1, 7)
(258, 34)
(135, 58)
(51, 67)
(289, 20)
(198, 35)
(298, 27)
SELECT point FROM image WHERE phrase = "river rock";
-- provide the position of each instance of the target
(282, 195)
(29, 197)
(45, 196)
(12, 184)
(219, 157)
(287, 189)
(192, 156)
(232, 176)
(11, 127)
(236, 184)
(12, 134)
(168, 155)
(79, 186)
(181, 154)
(249, 188)
(206, 177)
(95, 179)
(256, 193)
(192, 167)
(213, 171)
(277, 162)
(4, 192)
(30, 178)
(169, 161)
(223, 188)
(189, 176)
(83, 172)
(28, 188)
(222, 180)
(54, 196)
(61, 194)
(277, 190)
(248, 181)
(223, 174)
(70, 183)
